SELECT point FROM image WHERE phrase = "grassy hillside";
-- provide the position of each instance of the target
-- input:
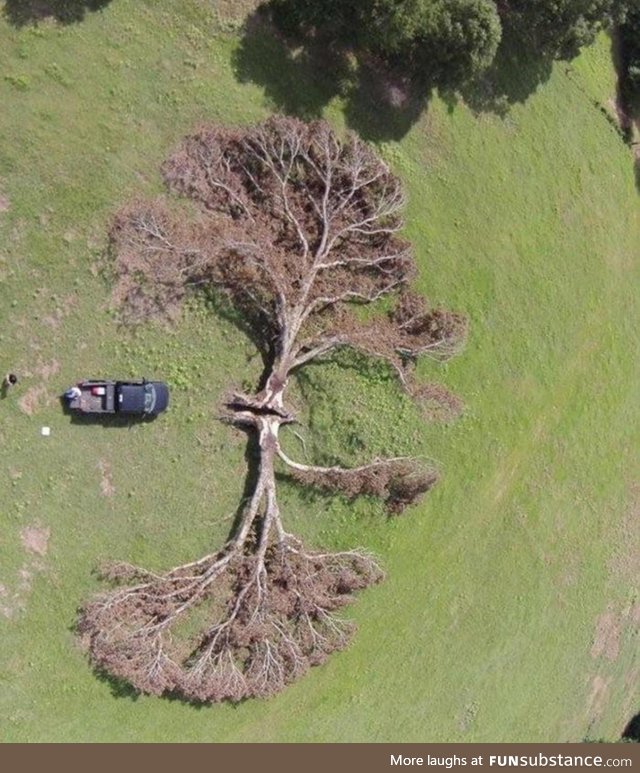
(511, 610)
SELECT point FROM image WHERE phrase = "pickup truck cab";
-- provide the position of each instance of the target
(142, 398)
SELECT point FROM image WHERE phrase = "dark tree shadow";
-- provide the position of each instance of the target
(383, 105)
(297, 80)
(253, 326)
(300, 77)
(252, 459)
(23, 12)
(632, 730)
(623, 103)
(627, 101)
(119, 688)
(516, 73)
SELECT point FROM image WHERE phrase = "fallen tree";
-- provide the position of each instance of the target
(296, 225)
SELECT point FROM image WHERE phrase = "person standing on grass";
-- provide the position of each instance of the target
(7, 382)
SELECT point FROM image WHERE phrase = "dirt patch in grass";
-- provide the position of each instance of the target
(621, 618)
(32, 400)
(624, 565)
(4, 200)
(630, 705)
(35, 539)
(8, 606)
(106, 482)
(48, 369)
(63, 308)
(14, 602)
(53, 320)
(235, 9)
(4, 594)
(468, 717)
(598, 697)
(606, 642)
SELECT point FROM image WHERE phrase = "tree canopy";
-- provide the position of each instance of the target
(449, 42)
(444, 41)
(560, 28)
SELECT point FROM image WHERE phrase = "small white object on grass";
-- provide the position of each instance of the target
(46, 431)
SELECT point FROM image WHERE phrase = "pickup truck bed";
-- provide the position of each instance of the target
(88, 402)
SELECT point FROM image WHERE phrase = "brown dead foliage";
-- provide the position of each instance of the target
(437, 402)
(158, 256)
(271, 618)
(293, 224)
(398, 482)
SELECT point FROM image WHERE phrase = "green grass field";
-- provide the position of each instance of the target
(511, 610)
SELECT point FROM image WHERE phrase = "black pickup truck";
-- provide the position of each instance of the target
(144, 398)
